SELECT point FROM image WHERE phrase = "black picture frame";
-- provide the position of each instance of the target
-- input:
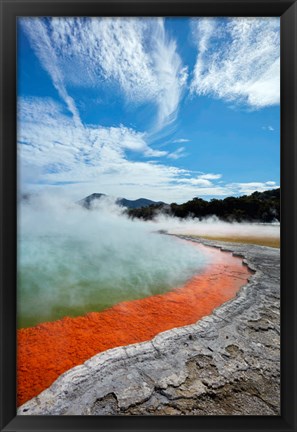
(287, 11)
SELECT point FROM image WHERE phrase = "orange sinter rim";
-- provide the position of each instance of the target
(49, 349)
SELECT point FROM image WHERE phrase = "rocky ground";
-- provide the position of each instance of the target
(228, 363)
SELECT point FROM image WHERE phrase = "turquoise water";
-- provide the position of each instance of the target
(69, 274)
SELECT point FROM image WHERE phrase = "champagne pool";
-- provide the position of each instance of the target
(49, 349)
(70, 275)
(89, 281)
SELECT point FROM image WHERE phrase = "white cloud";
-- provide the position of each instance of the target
(206, 28)
(181, 140)
(122, 138)
(196, 182)
(238, 60)
(203, 29)
(133, 54)
(269, 128)
(170, 74)
(250, 187)
(177, 154)
(210, 176)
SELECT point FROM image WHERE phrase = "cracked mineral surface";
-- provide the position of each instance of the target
(228, 363)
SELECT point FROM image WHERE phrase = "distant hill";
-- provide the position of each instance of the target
(139, 203)
(130, 204)
(87, 201)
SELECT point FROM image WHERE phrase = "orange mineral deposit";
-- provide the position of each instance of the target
(49, 349)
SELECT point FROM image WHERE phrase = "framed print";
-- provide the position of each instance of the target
(148, 215)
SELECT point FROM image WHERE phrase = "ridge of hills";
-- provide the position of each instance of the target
(130, 204)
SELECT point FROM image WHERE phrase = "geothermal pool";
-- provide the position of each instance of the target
(65, 275)
(93, 280)
(48, 349)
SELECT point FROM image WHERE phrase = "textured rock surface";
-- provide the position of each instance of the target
(226, 364)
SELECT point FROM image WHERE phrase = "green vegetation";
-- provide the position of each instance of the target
(257, 207)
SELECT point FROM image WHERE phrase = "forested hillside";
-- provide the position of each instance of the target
(259, 206)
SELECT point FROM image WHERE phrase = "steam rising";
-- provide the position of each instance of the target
(214, 227)
(72, 260)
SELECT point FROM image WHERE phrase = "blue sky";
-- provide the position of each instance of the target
(166, 109)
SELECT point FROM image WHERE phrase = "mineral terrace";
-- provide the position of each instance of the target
(227, 363)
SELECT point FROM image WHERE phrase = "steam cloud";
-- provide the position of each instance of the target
(72, 260)
(214, 227)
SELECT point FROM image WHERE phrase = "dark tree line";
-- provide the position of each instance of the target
(257, 207)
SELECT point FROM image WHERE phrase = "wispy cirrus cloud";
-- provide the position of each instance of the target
(268, 128)
(131, 54)
(45, 51)
(181, 140)
(170, 73)
(177, 154)
(246, 68)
